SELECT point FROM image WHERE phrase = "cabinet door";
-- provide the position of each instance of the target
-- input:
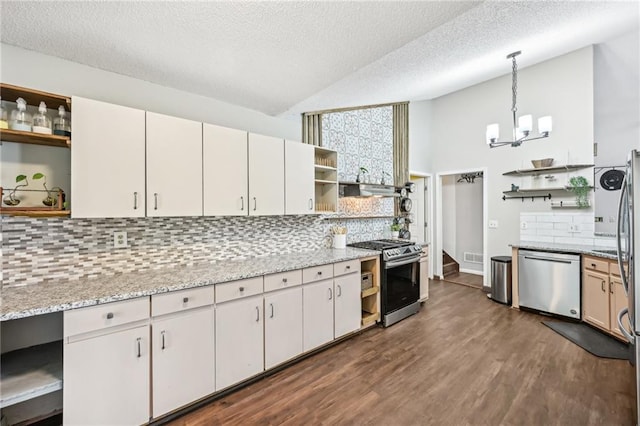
(183, 359)
(107, 160)
(299, 178)
(174, 166)
(282, 326)
(239, 341)
(617, 301)
(225, 172)
(317, 307)
(348, 304)
(266, 175)
(595, 298)
(106, 379)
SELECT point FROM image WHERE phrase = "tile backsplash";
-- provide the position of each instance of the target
(41, 250)
(564, 228)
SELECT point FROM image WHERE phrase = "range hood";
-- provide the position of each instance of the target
(355, 189)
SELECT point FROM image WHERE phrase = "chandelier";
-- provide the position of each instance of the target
(522, 126)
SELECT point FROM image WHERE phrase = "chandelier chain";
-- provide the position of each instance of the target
(514, 84)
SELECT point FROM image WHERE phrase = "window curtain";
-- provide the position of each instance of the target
(401, 143)
(312, 128)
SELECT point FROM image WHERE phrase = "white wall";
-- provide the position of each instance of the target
(616, 73)
(468, 218)
(561, 87)
(37, 71)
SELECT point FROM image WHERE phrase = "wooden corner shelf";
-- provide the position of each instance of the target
(17, 136)
(369, 319)
(370, 292)
(10, 93)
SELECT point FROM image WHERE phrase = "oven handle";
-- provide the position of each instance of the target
(393, 264)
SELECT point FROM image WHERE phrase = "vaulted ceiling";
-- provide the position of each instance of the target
(283, 58)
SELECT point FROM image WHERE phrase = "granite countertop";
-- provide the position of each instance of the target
(592, 250)
(37, 299)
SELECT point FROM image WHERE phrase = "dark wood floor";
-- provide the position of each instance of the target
(462, 360)
(471, 280)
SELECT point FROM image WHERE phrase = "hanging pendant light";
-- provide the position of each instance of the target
(523, 125)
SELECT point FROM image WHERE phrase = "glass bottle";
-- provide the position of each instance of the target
(61, 124)
(41, 122)
(4, 120)
(20, 118)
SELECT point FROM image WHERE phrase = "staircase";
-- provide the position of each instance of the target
(449, 265)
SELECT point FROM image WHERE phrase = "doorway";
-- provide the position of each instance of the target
(422, 211)
(460, 247)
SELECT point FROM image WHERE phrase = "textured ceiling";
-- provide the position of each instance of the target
(283, 58)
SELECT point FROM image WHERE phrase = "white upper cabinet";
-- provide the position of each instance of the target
(107, 160)
(174, 166)
(299, 178)
(225, 172)
(266, 175)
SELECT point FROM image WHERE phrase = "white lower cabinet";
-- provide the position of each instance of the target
(106, 379)
(239, 339)
(282, 326)
(183, 359)
(347, 305)
(318, 314)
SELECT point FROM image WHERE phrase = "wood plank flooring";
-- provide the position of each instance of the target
(464, 278)
(463, 360)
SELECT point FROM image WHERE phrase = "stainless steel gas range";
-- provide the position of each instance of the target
(400, 278)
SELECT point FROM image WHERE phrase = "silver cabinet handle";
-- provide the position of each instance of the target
(310, 203)
(330, 294)
(185, 299)
(255, 204)
(162, 335)
(135, 201)
(602, 287)
(242, 203)
(339, 292)
(272, 311)
(257, 314)
(110, 315)
(155, 197)
(138, 340)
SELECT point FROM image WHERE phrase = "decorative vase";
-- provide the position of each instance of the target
(339, 241)
(395, 234)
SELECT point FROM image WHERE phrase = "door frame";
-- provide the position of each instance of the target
(428, 213)
(437, 243)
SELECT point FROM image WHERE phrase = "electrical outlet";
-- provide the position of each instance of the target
(574, 227)
(524, 225)
(119, 239)
(493, 224)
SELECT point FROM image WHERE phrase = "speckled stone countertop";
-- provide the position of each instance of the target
(21, 302)
(568, 248)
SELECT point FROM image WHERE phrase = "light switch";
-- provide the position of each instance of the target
(493, 224)
(524, 225)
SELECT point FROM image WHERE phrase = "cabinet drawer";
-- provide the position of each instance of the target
(283, 280)
(176, 301)
(238, 289)
(94, 318)
(317, 273)
(342, 268)
(615, 269)
(596, 264)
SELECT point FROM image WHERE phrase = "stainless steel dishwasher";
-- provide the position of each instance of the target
(549, 282)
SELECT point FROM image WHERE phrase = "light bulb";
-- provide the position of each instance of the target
(493, 133)
(525, 124)
(545, 125)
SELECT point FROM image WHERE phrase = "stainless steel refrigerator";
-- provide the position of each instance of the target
(628, 236)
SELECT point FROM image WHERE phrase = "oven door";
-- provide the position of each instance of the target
(400, 283)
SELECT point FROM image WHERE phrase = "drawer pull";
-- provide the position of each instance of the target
(602, 286)
(241, 289)
(348, 267)
(110, 315)
(185, 300)
(593, 265)
(319, 272)
(162, 335)
(139, 348)
(284, 280)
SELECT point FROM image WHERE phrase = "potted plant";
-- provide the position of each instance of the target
(52, 197)
(580, 187)
(395, 230)
(11, 200)
(362, 171)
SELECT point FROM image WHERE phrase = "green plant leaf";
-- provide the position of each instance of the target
(37, 176)
(20, 178)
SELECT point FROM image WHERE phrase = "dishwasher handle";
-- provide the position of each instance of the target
(548, 259)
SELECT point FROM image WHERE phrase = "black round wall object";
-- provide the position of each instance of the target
(611, 180)
(411, 187)
(405, 205)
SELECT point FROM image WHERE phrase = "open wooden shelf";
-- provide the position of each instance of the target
(10, 93)
(370, 291)
(36, 213)
(325, 168)
(541, 170)
(368, 319)
(17, 136)
(30, 372)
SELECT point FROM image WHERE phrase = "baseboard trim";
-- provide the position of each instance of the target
(471, 271)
